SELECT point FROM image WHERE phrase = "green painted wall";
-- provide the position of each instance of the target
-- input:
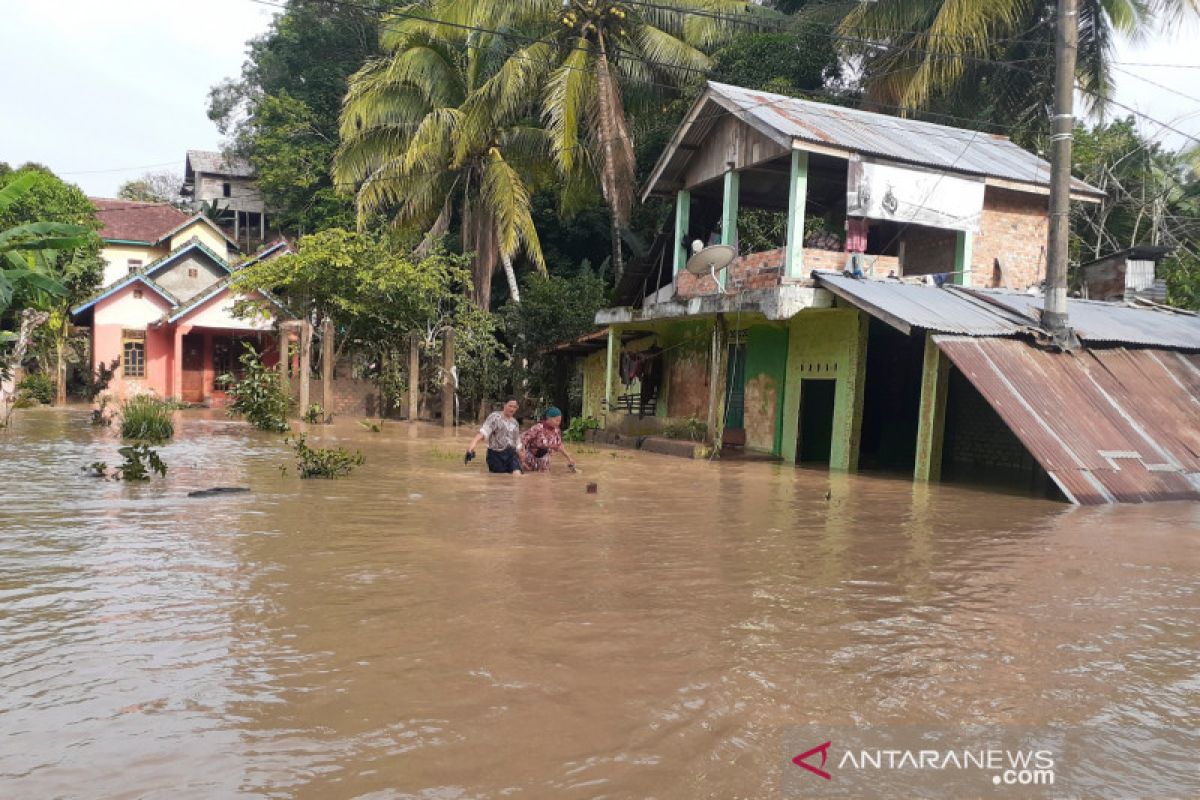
(593, 384)
(829, 344)
(766, 366)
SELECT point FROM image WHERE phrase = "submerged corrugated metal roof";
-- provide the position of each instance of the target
(908, 140)
(1109, 426)
(906, 305)
(1096, 322)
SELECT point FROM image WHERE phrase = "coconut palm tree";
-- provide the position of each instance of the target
(916, 51)
(416, 143)
(582, 58)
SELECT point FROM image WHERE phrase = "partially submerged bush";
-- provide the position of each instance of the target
(146, 418)
(35, 388)
(691, 428)
(577, 430)
(323, 462)
(259, 395)
(140, 462)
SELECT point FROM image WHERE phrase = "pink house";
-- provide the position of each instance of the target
(170, 324)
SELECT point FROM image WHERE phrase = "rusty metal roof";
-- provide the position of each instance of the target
(1109, 426)
(905, 306)
(791, 121)
(1096, 322)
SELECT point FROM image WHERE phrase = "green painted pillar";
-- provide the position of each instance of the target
(797, 198)
(848, 398)
(931, 419)
(962, 258)
(683, 213)
(610, 370)
(729, 215)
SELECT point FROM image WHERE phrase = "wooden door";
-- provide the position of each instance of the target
(192, 390)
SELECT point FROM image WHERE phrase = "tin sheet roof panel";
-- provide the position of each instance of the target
(918, 306)
(1097, 322)
(1112, 425)
(908, 140)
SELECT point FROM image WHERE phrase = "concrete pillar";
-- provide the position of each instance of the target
(448, 382)
(414, 376)
(848, 401)
(305, 363)
(262, 226)
(729, 215)
(962, 258)
(797, 200)
(716, 383)
(327, 355)
(282, 364)
(931, 418)
(683, 213)
(237, 226)
(609, 370)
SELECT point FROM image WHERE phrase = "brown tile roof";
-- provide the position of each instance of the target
(136, 222)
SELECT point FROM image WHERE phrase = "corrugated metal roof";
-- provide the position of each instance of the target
(905, 306)
(1096, 322)
(1109, 426)
(908, 140)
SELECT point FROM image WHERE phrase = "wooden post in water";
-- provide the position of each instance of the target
(327, 356)
(305, 363)
(414, 375)
(448, 383)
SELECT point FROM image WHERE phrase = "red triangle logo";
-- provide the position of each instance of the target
(823, 749)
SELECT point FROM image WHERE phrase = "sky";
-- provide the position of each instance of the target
(102, 91)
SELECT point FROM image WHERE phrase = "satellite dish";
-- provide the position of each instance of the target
(711, 260)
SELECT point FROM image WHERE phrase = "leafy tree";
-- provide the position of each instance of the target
(53, 238)
(420, 133)
(154, 187)
(282, 112)
(584, 61)
(553, 309)
(915, 53)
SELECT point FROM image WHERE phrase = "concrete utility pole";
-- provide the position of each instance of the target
(448, 382)
(1054, 313)
(414, 375)
(327, 356)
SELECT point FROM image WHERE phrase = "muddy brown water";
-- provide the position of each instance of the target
(422, 629)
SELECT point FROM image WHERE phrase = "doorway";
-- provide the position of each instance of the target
(735, 386)
(192, 390)
(815, 438)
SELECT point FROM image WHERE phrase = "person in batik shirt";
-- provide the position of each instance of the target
(543, 439)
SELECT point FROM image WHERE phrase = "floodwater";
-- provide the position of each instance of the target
(421, 629)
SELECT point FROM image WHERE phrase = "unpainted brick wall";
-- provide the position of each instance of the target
(976, 436)
(765, 269)
(1013, 229)
(351, 396)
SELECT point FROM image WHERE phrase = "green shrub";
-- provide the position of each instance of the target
(139, 462)
(323, 462)
(146, 418)
(259, 395)
(34, 388)
(314, 414)
(690, 428)
(577, 430)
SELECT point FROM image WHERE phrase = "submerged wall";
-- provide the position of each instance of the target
(827, 344)
(766, 368)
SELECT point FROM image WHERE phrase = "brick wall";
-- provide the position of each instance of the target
(351, 396)
(976, 436)
(1013, 229)
(765, 269)
(928, 250)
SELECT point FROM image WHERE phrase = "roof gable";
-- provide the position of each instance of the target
(219, 288)
(843, 131)
(137, 277)
(213, 163)
(203, 220)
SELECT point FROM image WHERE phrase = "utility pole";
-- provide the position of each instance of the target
(1054, 312)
